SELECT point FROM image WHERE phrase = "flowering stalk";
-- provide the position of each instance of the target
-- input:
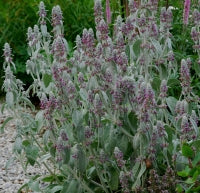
(108, 12)
(186, 12)
(8, 56)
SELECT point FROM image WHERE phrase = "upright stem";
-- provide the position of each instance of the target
(80, 181)
(47, 167)
(99, 174)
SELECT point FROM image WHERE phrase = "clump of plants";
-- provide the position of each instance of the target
(110, 118)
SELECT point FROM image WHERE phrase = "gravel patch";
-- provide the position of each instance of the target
(13, 177)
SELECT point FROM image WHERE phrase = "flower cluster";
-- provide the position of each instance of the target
(165, 184)
(57, 16)
(119, 157)
(186, 12)
(49, 106)
(185, 77)
(98, 11)
(7, 53)
(187, 128)
(43, 14)
(124, 181)
(88, 135)
(59, 50)
(11, 84)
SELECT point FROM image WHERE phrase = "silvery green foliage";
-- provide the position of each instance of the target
(106, 110)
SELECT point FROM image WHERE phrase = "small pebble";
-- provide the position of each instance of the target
(14, 177)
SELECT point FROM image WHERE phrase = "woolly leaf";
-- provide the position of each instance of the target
(195, 127)
(34, 185)
(47, 79)
(171, 103)
(141, 172)
(56, 189)
(77, 117)
(9, 99)
(31, 153)
(72, 187)
(39, 118)
(83, 94)
(114, 179)
(136, 48)
(5, 122)
(81, 162)
(185, 172)
(18, 145)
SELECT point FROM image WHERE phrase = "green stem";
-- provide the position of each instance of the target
(78, 179)
(98, 173)
(101, 179)
(96, 184)
(47, 167)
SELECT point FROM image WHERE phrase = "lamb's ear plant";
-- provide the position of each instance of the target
(108, 121)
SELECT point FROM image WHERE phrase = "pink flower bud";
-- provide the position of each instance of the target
(108, 12)
(132, 6)
(56, 16)
(186, 12)
(7, 53)
(98, 13)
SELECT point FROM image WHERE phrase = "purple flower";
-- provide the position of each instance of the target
(160, 129)
(186, 12)
(80, 77)
(98, 13)
(30, 35)
(163, 89)
(108, 76)
(88, 38)
(132, 6)
(170, 56)
(88, 132)
(153, 30)
(42, 10)
(119, 157)
(71, 89)
(185, 77)
(108, 12)
(42, 13)
(49, 105)
(194, 34)
(59, 49)
(7, 53)
(124, 181)
(196, 16)
(98, 106)
(56, 16)
(102, 30)
(166, 17)
(63, 135)
(185, 126)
